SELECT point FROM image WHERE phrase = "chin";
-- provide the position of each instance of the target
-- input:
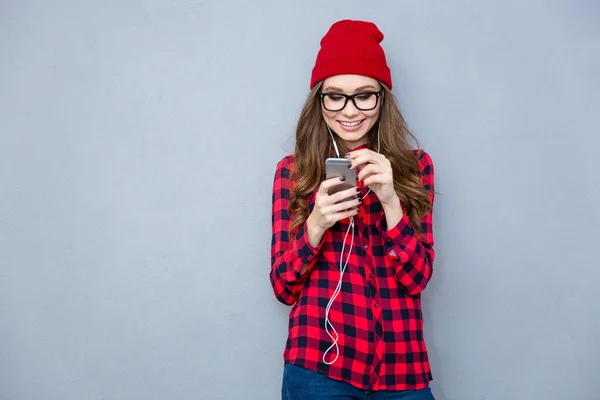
(353, 138)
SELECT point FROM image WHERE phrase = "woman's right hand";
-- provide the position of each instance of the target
(327, 211)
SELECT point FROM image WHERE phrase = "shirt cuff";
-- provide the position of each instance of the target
(306, 252)
(400, 241)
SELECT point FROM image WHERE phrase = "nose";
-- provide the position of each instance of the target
(350, 110)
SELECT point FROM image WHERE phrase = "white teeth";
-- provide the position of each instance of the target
(350, 124)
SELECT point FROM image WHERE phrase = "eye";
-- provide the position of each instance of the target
(364, 96)
(335, 97)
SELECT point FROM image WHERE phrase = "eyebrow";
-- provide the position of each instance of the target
(336, 89)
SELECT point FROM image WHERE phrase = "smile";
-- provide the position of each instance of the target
(351, 126)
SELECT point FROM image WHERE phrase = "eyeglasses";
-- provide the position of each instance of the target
(364, 101)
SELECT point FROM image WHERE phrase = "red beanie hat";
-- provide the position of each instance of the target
(352, 47)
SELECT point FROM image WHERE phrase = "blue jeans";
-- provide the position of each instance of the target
(303, 384)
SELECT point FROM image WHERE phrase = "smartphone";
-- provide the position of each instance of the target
(337, 168)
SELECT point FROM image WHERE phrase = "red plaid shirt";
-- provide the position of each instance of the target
(378, 311)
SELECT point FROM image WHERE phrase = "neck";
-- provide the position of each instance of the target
(352, 145)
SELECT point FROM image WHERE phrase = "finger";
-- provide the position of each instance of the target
(377, 179)
(343, 215)
(344, 194)
(369, 170)
(346, 205)
(347, 214)
(329, 183)
(330, 211)
(365, 158)
(337, 212)
(356, 153)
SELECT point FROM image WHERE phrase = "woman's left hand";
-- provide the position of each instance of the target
(376, 173)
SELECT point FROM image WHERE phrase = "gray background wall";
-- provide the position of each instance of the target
(138, 141)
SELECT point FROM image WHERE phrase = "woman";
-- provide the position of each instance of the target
(353, 267)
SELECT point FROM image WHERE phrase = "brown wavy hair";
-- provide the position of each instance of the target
(313, 146)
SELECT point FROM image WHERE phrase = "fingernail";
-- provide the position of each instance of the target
(347, 155)
(349, 165)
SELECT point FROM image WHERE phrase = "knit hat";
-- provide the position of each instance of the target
(352, 47)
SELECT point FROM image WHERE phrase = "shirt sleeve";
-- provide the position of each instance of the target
(411, 254)
(289, 256)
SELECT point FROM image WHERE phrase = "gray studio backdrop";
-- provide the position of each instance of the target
(138, 142)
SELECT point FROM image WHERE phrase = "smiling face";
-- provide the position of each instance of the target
(352, 122)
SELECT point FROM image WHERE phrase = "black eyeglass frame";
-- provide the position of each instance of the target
(351, 97)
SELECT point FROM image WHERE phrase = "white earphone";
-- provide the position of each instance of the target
(328, 325)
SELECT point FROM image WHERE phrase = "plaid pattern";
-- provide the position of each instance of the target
(378, 312)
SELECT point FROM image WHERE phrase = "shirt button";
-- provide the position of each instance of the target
(366, 246)
(371, 275)
(375, 305)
